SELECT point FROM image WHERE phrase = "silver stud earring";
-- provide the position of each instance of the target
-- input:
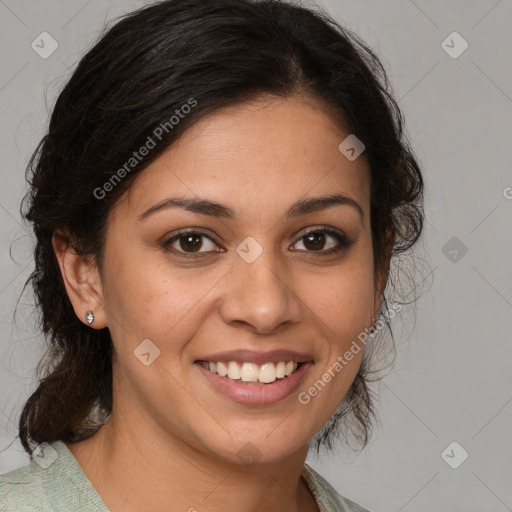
(89, 317)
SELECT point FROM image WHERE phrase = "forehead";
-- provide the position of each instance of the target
(257, 158)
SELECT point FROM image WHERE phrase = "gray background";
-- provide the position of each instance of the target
(452, 377)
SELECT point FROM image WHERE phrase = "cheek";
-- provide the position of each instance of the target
(343, 304)
(151, 299)
(343, 299)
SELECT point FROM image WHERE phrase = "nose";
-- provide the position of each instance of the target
(260, 295)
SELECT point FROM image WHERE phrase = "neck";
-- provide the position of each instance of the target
(134, 471)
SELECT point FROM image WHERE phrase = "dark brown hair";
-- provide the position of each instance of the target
(145, 67)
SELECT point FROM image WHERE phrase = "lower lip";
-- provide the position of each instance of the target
(259, 394)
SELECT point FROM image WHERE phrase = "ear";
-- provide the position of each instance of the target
(81, 279)
(382, 274)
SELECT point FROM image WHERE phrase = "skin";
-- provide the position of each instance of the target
(171, 442)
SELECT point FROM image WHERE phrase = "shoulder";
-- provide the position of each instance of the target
(48, 483)
(20, 490)
(326, 495)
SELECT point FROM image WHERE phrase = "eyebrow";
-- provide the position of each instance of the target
(213, 209)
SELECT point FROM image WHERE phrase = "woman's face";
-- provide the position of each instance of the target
(261, 284)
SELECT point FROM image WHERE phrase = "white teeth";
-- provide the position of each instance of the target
(221, 369)
(234, 370)
(268, 373)
(251, 372)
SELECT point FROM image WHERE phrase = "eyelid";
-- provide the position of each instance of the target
(200, 232)
(321, 228)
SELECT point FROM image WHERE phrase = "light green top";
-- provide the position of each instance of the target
(54, 481)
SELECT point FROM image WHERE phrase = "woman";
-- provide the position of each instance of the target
(216, 204)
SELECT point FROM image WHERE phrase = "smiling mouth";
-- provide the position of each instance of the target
(251, 373)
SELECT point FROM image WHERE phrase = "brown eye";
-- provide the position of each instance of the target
(193, 244)
(318, 241)
(191, 241)
(315, 241)
(188, 243)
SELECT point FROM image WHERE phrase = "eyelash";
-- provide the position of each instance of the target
(343, 242)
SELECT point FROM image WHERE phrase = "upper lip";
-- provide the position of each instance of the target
(251, 356)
